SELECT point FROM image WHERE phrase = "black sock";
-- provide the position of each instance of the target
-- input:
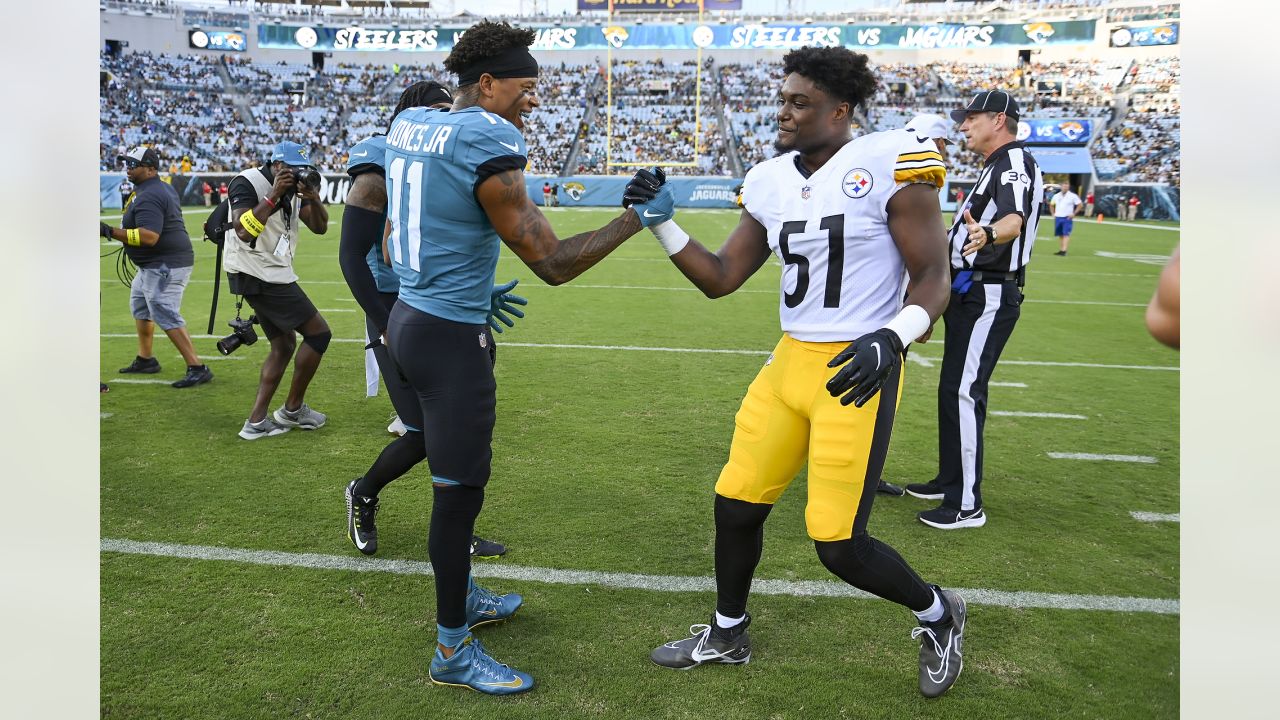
(396, 459)
(739, 542)
(453, 517)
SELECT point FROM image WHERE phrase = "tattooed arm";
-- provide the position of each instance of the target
(526, 231)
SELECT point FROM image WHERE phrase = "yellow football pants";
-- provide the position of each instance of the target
(788, 417)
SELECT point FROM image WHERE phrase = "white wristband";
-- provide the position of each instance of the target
(672, 237)
(910, 324)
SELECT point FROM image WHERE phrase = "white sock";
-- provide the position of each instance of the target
(727, 622)
(934, 612)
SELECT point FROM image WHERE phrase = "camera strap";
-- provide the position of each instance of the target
(217, 284)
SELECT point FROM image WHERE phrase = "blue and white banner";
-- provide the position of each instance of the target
(217, 40)
(1055, 131)
(1145, 35)
(606, 190)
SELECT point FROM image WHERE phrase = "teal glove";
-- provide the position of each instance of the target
(658, 210)
(502, 301)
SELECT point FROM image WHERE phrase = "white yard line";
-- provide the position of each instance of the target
(207, 358)
(718, 351)
(1059, 416)
(634, 581)
(336, 309)
(188, 211)
(1107, 458)
(104, 416)
(1007, 384)
(131, 381)
(1155, 517)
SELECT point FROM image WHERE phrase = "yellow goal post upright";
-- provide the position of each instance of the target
(697, 107)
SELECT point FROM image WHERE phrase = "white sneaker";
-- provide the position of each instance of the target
(266, 427)
(304, 417)
(397, 427)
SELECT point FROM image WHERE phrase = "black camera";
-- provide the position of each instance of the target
(242, 333)
(306, 176)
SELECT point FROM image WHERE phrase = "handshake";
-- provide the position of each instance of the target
(650, 196)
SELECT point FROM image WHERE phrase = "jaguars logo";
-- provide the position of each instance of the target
(1038, 32)
(574, 190)
(616, 35)
(1071, 130)
(1163, 34)
(302, 152)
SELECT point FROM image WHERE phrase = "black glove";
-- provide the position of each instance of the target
(874, 356)
(643, 187)
(105, 230)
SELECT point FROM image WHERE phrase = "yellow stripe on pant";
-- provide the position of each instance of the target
(788, 418)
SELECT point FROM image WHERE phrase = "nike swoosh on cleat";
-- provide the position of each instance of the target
(518, 682)
(649, 214)
(356, 540)
(490, 613)
(512, 148)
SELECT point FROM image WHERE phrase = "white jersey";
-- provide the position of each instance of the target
(842, 273)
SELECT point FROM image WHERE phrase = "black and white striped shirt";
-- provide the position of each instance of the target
(1010, 182)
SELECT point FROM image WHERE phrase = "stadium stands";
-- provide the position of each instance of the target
(225, 113)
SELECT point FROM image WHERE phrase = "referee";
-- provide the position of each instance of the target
(991, 244)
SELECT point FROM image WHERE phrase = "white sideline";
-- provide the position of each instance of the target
(659, 583)
(1155, 517)
(1015, 413)
(715, 351)
(1110, 458)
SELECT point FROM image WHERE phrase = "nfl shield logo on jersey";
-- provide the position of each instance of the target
(804, 192)
(857, 183)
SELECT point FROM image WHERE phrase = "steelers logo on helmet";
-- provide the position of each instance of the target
(857, 183)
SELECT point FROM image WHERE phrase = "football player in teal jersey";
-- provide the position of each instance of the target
(374, 285)
(456, 191)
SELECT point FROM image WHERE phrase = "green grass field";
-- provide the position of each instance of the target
(604, 461)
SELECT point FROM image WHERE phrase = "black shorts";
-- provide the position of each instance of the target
(448, 365)
(280, 308)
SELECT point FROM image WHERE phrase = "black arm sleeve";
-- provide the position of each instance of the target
(361, 229)
(242, 194)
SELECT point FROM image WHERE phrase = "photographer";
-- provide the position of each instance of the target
(267, 205)
(155, 239)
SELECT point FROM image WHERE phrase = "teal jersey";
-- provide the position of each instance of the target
(368, 155)
(442, 245)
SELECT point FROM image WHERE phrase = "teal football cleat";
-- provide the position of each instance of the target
(473, 668)
(485, 606)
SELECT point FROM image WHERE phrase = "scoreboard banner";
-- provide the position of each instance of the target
(1145, 35)
(727, 36)
(606, 190)
(217, 40)
(1055, 131)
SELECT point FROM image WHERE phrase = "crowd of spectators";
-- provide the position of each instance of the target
(225, 113)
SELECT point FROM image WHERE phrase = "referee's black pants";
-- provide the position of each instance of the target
(978, 324)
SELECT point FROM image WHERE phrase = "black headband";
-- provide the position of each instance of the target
(515, 62)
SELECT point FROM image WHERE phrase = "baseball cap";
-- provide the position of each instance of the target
(141, 155)
(290, 153)
(988, 101)
(932, 126)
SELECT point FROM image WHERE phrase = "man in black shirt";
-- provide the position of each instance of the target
(155, 239)
(990, 246)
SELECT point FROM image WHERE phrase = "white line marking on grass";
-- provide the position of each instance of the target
(207, 358)
(1015, 413)
(344, 299)
(718, 351)
(129, 381)
(1144, 258)
(191, 211)
(1155, 517)
(341, 309)
(919, 359)
(1109, 458)
(1007, 384)
(104, 416)
(1125, 224)
(1085, 302)
(659, 583)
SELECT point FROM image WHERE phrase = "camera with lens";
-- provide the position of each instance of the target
(242, 333)
(306, 176)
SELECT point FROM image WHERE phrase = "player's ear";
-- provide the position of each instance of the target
(841, 111)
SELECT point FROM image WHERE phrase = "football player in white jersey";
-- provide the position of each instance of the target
(846, 217)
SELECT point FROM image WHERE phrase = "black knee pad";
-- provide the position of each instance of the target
(318, 342)
(853, 552)
(740, 514)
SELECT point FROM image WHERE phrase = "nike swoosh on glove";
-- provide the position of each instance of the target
(643, 187)
(658, 210)
(502, 301)
(871, 358)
